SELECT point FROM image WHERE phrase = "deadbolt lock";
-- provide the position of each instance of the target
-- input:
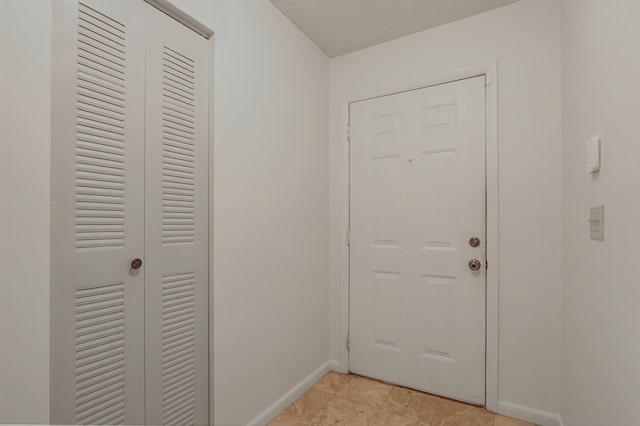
(474, 242)
(475, 265)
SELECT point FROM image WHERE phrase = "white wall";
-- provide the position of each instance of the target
(271, 206)
(24, 213)
(525, 40)
(602, 290)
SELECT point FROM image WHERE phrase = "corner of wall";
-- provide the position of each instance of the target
(537, 417)
(294, 393)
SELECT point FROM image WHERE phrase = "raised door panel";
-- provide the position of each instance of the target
(97, 213)
(176, 223)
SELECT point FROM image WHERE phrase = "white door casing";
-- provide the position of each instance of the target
(417, 196)
(97, 301)
(176, 223)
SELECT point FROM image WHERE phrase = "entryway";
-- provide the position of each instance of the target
(418, 239)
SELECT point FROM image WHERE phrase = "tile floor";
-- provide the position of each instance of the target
(350, 400)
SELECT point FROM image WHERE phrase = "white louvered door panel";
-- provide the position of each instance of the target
(176, 223)
(97, 301)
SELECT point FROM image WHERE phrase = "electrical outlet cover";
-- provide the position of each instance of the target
(596, 219)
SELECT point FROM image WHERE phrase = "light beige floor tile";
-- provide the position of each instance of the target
(341, 411)
(287, 418)
(332, 382)
(452, 413)
(310, 404)
(412, 404)
(386, 419)
(508, 421)
(340, 399)
(366, 391)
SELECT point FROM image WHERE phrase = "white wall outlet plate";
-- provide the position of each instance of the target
(593, 155)
(596, 219)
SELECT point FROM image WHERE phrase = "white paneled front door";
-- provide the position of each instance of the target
(417, 315)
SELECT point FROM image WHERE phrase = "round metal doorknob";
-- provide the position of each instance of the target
(136, 264)
(474, 242)
(475, 265)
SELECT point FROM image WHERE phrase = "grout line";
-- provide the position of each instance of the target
(356, 402)
(435, 413)
(325, 405)
(373, 417)
(362, 403)
(387, 397)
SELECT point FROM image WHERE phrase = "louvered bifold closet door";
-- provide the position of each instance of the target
(176, 223)
(97, 361)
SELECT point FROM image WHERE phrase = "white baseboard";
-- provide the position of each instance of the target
(527, 414)
(294, 393)
(338, 367)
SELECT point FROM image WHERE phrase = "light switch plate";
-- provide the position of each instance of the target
(593, 155)
(596, 220)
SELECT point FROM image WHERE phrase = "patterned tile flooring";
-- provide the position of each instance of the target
(350, 400)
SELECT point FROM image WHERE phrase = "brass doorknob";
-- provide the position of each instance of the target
(475, 265)
(136, 264)
(474, 242)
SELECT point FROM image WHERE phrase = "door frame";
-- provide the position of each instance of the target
(490, 71)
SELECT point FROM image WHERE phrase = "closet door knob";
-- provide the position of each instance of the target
(136, 264)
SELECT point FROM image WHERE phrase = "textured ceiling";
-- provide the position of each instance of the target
(343, 26)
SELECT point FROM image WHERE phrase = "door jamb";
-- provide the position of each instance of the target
(211, 263)
(490, 71)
